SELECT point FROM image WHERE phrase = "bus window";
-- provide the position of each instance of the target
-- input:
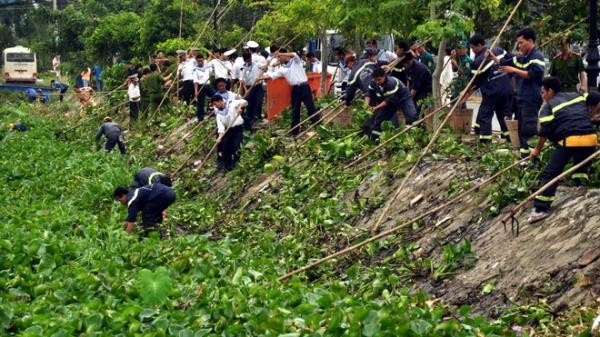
(20, 57)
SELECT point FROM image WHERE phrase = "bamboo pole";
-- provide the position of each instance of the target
(568, 172)
(439, 129)
(562, 33)
(191, 132)
(412, 126)
(401, 226)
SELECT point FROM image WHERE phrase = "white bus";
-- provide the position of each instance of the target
(19, 65)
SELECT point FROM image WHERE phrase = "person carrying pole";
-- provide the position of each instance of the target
(291, 68)
(361, 74)
(133, 92)
(496, 90)
(252, 89)
(113, 133)
(529, 69)
(230, 127)
(564, 120)
(202, 86)
(386, 95)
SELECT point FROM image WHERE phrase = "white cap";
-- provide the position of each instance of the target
(268, 50)
(180, 51)
(252, 44)
(229, 52)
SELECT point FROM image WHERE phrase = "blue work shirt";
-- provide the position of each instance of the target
(534, 64)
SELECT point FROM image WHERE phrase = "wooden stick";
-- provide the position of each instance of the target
(568, 172)
(326, 116)
(562, 33)
(191, 133)
(401, 226)
(415, 124)
(439, 129)
(337, 100)
(216, 144)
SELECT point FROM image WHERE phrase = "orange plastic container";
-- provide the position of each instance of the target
(279, 93)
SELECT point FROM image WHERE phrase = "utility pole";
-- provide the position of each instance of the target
(55, 4)
(593, 57)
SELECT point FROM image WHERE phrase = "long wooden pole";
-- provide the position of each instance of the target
(412, 126)
(401, 226)
(568, 172)
(562, 33)
(439, 129)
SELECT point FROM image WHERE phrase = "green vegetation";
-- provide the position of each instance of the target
(68, 268)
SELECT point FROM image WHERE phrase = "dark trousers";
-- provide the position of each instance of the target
(561, 156)
(134, 110)
(187, 92)
(205, 90)
(301, 94)
(373, 126)
(228, 148)
(490, 104)
(113, 139)
(528, 116)
(61, 97)
(255, 98)
(152, 212)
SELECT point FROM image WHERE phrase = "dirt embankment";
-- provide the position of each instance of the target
(557, 259)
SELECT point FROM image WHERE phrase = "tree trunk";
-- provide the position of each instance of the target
(324, 60)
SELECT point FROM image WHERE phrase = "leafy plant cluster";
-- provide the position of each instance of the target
(69, 269)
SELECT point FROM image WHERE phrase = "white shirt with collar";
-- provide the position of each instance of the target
(293, 71)
(201, 75)
(316, 66)
(250, 73)
(228, 96)
(220, 68)
(228, 117)
(236, 69)
(187, 70)
(133, 91)
(259, 59)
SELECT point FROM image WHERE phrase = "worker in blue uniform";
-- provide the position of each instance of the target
(529, 68)
(496, 89)
(565, 121)
(148, 176)
(151, 200)
(386, 95)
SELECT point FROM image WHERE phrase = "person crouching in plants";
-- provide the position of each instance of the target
(17, 126)
(148, 176)
(113, 133)
(386, 94)
(230, 127)
(565, 120)
(151, 200)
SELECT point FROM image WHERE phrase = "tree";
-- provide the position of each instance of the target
(119, 32)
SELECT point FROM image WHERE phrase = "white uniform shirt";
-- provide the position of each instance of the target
(228, 96)
(385, 56)
(259, 59)
(293, 71)
(220, 68)
(315, 67)
(187, 70)
(201, 75)
(250, 73)
(236, 69)
(229, 117)
(133, 91)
